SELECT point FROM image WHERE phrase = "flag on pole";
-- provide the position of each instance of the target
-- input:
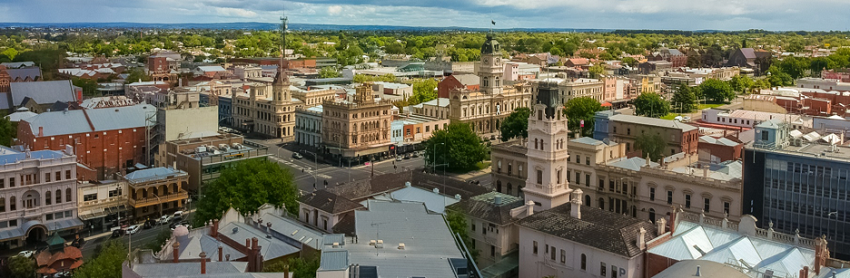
(493, 22)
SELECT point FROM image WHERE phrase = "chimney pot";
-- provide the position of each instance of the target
(176, 250)
(248, 243)
(203, 263)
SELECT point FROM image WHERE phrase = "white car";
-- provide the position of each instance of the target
(165, 219)
(133, 229)
(26, 254)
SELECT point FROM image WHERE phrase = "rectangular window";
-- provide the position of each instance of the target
(602, 270)
(89, 197)
(58, 175)
(559, 177)
(492, 251)
(67, 174)
(563, 256)
(578, 178)
(602, 184)
(534, 248)
(46, 177)
(11, 182)
(539, 177)
(586, 160)
(48, 217)
(614, 271)
(726, 207)
(473, 227)
(652, 194)
(688, 201)
(552, 253)
(587, 179)
(578, 158)
(707, 204)
(2, 183)
(669, 197)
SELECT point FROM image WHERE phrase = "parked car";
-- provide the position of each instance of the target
(179, 223)
(415, 154)
(117, 232)
(133, 229)
(398, 158)
(150, 223)
(297, 156)
(26, 253)
(407, 156)
(165, 219)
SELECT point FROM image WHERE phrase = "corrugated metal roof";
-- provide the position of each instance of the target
(652, 122)
(43, 92)
(334, 259)
(435, 202)
(153, 174)
(74, 121)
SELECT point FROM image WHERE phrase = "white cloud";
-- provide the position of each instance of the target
(334, 10)
(235, 12)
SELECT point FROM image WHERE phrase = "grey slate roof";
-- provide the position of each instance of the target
(271, 247)
(294, 230)
(33, 73)
(483, 207)
(597, 228)
(468, 79)
(75, 121)
(4, 101)
(43, 92)
(14, 65)
(328, 202)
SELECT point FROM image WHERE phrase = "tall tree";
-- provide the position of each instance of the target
(245, 186)
(11, 53)
(8, 130)
(328, 72)
(21, 267)
(515, 125)
(651, 105)
(582, 108)
(651, 144)
(423, 91)
(456, 145)
(596, 71)
(107, 263)
(684, 100)
(716, 91)
(629, 61)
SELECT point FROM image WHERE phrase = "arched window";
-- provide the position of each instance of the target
(58, 196)
(587, 200)
(47, 199)
(601, 203)
(68, 195)
(583, 262)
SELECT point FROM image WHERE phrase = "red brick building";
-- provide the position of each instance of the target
(720, 149)
(106, 141)
(842, 75)
(459, 81)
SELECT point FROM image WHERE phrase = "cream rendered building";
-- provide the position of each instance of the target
(267, 109)
(486, 108)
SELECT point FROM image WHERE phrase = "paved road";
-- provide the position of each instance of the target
(139, 240)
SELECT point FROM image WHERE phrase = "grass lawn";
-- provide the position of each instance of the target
(670, 116)
(709, 105)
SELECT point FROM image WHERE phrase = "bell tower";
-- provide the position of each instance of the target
(491, 69)
(547, 185)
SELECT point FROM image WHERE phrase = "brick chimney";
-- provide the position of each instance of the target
(214, 228)
(258, 258)
(220, 254)
(176, 250)
(248, 244)
(203, 263)
(40, 131)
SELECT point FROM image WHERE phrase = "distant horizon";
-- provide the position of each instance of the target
(274, 25)
(692, 15)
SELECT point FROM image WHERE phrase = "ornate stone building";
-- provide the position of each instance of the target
(484, 109)
(547, 185)
(269, 113)
(355, 129)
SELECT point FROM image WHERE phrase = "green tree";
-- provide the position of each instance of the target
(136, 75)
(107, 263)
(716, 91)
(651, 144)
(778, 78)
(684, 99)
(156, 245)
(794, 66)
(424, 90)
(651, 105)
(300, 267)
(629, 61)
(22, 267)
(596, 70)
(459, 225)
(582, 108)
(8, 130)
(329, 72)
(11, 53)
(515, 125)
(89, 86)
(741, 83)
(457, 146)
(245, 186)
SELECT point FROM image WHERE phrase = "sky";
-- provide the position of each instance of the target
(775, 15)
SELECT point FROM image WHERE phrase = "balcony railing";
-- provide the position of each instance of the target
(137, 203)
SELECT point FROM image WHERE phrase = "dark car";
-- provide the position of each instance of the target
(149, 224)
